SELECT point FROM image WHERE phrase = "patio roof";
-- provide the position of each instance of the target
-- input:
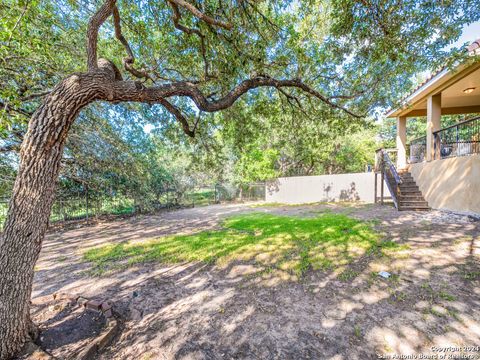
(451, 83)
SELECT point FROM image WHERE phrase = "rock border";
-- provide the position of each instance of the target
(105, 307)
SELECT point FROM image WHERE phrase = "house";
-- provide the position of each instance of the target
(443, 166)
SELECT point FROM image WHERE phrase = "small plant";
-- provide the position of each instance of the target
(471, 275)
(438, 313)
(148, 356)
(446, 296)
(357, 331)
(394, 280)
(400, 296)
(348, 275)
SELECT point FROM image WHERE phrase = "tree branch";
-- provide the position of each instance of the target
(130, 59)
(10, 148)
(179, 116)
(94, 24)
(132, 91)
(176, 21)
(7, 108)
(200, 15)
(36, 95)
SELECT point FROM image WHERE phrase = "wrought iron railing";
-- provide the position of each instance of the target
(457, 140)
(417, 150)
(385, 166)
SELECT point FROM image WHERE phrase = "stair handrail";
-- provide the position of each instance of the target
(383, 162)
(392, 167)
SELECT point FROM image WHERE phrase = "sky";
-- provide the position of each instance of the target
(469, 35)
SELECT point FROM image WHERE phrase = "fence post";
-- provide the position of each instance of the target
(458, 139)
(86, 200)
(382, 179)
(62, 210)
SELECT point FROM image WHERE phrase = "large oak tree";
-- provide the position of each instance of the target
(339, 54)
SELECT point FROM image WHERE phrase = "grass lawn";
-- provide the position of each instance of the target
(284, 243)
(201, 197)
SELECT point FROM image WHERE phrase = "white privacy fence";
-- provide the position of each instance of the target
(322, 188)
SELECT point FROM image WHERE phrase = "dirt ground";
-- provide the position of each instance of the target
(65, 326)
(194, 311)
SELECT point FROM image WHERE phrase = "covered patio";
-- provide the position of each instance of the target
(447, 92)
(445, 162)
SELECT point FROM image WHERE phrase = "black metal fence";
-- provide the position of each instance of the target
(417, 150)
(458, 140)
(88, 205)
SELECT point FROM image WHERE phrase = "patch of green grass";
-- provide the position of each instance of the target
(446, 296)
(471, 275)
(357, 331)
(285, 243)
(437, 313)
(277, 204)
(397, 296)
(391, 249)
(348, 275)
(201, 197)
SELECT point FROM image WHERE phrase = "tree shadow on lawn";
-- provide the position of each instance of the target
(234, 302)
(205, 312)
(273, 242)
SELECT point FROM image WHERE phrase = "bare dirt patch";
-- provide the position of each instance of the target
(200, 311)
(66, 327)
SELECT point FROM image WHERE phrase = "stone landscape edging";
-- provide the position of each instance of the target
(104, 307)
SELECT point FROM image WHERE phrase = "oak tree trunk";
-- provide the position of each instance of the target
(31, 203)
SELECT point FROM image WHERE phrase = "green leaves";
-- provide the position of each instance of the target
(361, 53)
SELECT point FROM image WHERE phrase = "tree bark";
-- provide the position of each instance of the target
(31, 203)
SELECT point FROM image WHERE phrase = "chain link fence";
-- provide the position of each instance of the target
(87, 205)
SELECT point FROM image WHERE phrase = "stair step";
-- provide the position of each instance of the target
(409, 197)
(413, 203)
(408, 184)
(408, 208)
(408, 188)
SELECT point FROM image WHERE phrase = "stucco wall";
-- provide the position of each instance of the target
(309, 189)
(452, 184)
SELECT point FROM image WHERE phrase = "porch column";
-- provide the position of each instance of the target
(434, 113)
(401, 142)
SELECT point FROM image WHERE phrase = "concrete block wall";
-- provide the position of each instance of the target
(309, 189)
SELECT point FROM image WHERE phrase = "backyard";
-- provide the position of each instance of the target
(239, 179)
(274, 281)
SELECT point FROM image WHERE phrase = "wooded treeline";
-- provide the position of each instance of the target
(264, 135)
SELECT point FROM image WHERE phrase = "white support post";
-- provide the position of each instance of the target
(401, 142)
(434, 113)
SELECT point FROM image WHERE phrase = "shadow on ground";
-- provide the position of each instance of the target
(198, 311)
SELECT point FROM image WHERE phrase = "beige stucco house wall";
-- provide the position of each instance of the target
(451, 184)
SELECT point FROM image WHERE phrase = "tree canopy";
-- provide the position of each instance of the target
(242, 90)
(359, 55)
